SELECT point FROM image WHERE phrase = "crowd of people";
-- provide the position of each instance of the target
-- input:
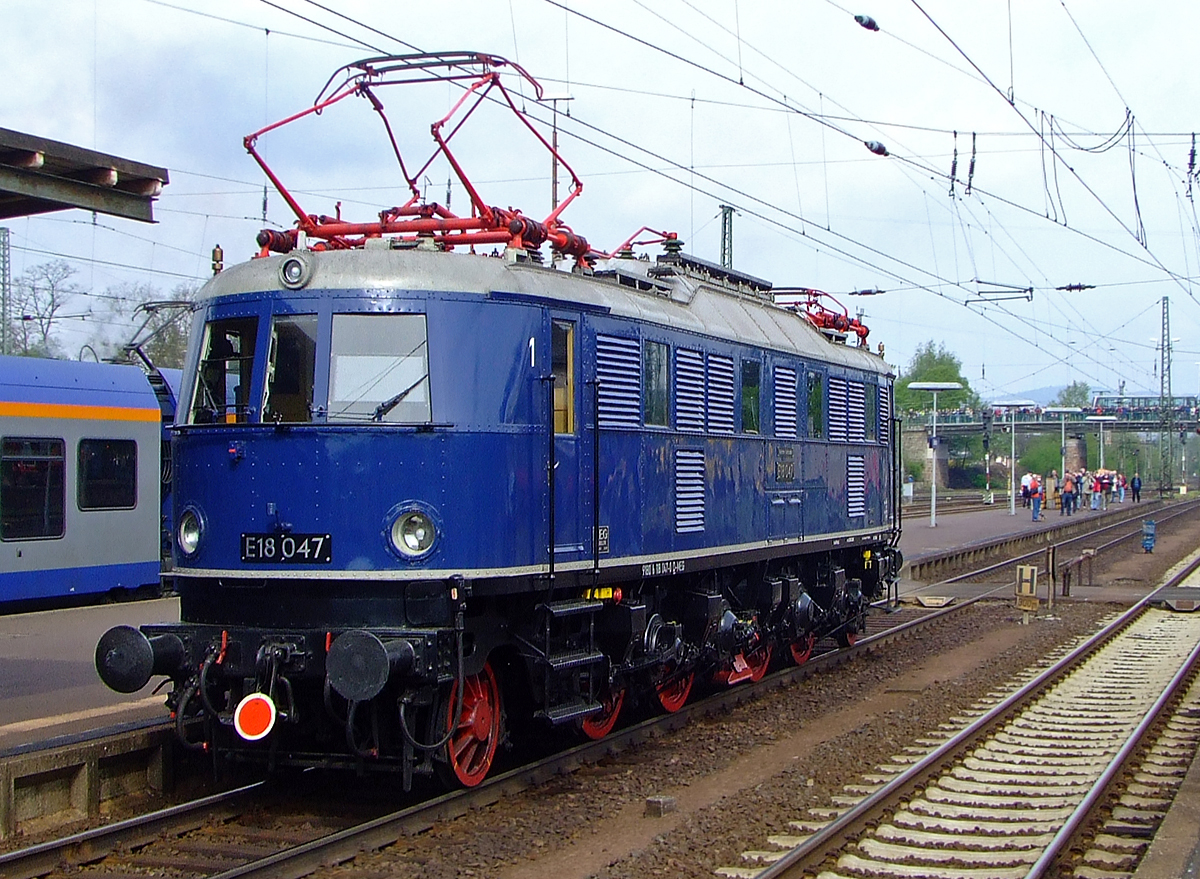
(1082, 489)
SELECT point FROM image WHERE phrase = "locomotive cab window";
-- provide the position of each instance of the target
(656, 372)
(222, 393)
(379, 369)
(291, 365)
(107, 474)
(751, 384)
(562, 364)
(32, 490)
(816, 406)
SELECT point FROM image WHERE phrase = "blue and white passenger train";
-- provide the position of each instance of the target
(82, 482)
(424, 500)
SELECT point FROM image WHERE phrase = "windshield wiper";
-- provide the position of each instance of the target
(388, 405)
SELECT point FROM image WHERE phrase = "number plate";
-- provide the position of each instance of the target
(287, 549)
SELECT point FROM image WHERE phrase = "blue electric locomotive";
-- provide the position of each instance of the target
(81, 496)
(424, 499)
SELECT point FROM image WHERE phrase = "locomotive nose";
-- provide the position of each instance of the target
(126, 659)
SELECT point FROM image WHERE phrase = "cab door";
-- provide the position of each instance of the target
(566, 422)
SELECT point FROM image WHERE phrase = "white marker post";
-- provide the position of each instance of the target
(933, 439)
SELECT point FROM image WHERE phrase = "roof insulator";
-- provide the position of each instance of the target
(867, 22)
(876, 147)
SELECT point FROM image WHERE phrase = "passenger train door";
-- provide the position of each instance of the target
(566, 420)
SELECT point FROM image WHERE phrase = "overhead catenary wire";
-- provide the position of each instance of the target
(839, 250)
(905, 273)
(1057, 159)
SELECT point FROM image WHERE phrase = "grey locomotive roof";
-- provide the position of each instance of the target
(682, 301)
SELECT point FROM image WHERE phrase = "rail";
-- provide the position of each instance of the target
(830, 840)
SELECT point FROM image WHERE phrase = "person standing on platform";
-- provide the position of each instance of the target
(1035, 496)
(1068, 494)
(1121, 483)
(1085, 486)
(1135, 487)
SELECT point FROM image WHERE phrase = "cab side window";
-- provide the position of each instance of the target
(816, 406)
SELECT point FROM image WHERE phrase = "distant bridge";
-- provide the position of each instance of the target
(1040, 421)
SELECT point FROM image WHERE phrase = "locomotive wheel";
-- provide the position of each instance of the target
(472, 747)
(759, 660)
(673, 694)
(847, 635)
(600, 724)
(803, 648)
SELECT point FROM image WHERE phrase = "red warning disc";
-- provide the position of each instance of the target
(254, 717)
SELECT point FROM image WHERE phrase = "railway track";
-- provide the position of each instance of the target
(1083, 757)
(953, 504)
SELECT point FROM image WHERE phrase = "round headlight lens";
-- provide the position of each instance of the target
(188, 534)
(293, 271)
(413, 533)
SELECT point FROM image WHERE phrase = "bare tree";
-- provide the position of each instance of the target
(39, 295)
(139, 316)
(168, 326)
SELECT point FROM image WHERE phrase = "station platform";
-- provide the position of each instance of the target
(965, 529)
(48, 681)
(959, 529)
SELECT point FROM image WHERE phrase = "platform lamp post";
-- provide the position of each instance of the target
(1012, 406)
(1101, 420)
(933, 439)
(1062, 412)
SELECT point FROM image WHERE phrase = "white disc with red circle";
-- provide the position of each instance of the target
(254, 717)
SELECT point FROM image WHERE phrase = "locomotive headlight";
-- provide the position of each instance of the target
(413, 533)
(295, 271)
(188, 532)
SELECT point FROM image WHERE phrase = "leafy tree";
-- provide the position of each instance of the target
(1042, 453)
(38, 297)
(934, 364)
(1074, 394)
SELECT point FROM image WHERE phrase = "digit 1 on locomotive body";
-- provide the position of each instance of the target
(427, 499)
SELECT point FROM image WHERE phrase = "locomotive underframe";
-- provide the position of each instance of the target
(560, 654)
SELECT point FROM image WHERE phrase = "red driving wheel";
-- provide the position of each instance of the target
(674, 692)
(802, 649)
(600, 724)
(472, 745)
(759, 660)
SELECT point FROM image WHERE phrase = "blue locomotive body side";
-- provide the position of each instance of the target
(669, 497)
(80, 477)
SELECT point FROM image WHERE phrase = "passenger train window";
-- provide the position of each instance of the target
(379, 369)
(751, 384)
(222, 393)
(816, 406)
(562, 357)
(32, 491)
(291, 365)
(107, 474)
(656, 383)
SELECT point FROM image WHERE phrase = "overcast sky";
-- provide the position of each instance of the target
(677, 107)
